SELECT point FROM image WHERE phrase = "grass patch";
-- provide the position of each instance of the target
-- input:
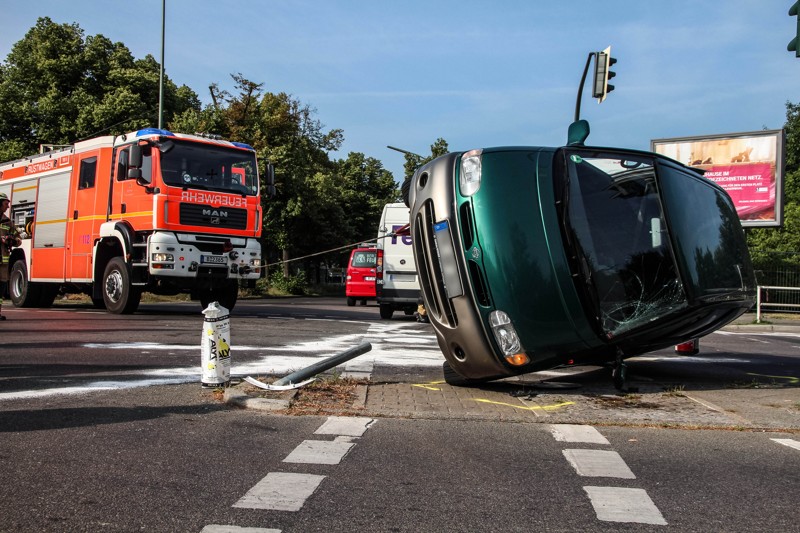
(675, 391)
(329, 395)
(625, 401)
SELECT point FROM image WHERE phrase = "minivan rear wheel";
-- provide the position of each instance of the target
(386, 311)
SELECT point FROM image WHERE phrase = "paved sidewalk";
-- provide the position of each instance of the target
(581, 395)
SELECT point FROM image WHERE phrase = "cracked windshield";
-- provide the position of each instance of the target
(615, 217)
(208, 168)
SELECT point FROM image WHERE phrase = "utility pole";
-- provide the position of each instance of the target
(161, 75)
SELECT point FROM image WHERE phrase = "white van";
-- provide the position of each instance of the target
(398, 285)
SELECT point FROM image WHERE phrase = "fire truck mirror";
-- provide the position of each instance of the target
(135, 159)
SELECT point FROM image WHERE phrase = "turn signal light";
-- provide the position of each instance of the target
(517, 359)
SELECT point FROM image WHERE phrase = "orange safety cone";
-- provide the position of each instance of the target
(691, 347)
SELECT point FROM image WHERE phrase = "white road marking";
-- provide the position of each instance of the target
(598, 463)
(791, 443)
(617, 504)
(577, 433)
(416, 348)
(320, 452)
(352, 426)
(691, 359)
(280, 491)
(215, 528)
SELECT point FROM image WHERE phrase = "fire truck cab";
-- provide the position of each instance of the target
(151, 210)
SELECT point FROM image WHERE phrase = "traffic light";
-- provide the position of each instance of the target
(794, 44)
(603, 73)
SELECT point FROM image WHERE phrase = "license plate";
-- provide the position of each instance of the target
(215, 259)
(369, 278)
(447, 259)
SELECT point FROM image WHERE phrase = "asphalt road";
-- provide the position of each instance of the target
(173, 459)
(86, 446)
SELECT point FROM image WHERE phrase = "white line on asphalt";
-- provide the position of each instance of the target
(617, 504)
(352, 426)
(577, 433)
(280, 491)
(215, 528)
(791, 443)
(320, 452)
(598, 463)
(691, 359)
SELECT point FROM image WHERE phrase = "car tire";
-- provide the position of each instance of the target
(451, 377)
(386, 311)
(119, 295)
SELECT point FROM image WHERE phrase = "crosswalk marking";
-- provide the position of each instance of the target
(216, 528)
(577, 433)
(791, 443)
(320, 452)
(618, 504)
(280, 491)
(598, 463)
(353, 426)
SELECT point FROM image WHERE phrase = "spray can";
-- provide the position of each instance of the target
(215, 346)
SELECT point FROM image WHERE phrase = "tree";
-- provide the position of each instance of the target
(413, 162)
(777, 248)
(57, 87)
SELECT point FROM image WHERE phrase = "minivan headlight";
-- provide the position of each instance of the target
(469, 179)
(507, 338)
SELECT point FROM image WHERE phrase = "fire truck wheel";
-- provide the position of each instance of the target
(351, 302)
(23, 293)
(119, 295)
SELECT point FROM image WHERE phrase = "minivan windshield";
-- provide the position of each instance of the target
(614, 223)
(209, 167)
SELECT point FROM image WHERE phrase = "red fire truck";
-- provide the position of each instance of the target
(149, 211)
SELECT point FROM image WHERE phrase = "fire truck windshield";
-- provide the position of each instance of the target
(202, 166)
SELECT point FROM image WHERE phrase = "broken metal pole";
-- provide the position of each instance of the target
(325, 364)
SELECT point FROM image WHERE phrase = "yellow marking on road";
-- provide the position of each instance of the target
(791, 379)
(531, 408)
(428, 385)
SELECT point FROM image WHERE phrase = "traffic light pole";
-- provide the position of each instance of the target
(580, 87)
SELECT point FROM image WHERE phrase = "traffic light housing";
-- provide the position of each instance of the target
(603, 73)
(794, 44)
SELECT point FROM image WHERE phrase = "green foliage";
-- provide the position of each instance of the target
(295, 284)
(57, 87)
(772, 248)
(413, 162)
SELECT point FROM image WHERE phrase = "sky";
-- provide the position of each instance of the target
(475, 73)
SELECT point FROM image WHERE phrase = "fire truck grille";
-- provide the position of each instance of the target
(214, 217)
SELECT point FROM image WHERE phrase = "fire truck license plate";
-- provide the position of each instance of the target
(216, 259)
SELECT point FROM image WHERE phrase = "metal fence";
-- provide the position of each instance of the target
(778, 278)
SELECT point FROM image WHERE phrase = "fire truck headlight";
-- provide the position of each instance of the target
(469, 179)
(162, 258)
(255, 263)
(507, 338)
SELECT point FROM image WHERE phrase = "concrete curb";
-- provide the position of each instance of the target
(762, 328)
(238, 398)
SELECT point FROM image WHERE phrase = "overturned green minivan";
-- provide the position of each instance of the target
(533, 257)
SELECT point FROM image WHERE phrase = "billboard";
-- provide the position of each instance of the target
(749, 166)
